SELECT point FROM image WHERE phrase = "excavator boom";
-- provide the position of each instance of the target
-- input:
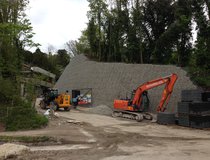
(168, 80)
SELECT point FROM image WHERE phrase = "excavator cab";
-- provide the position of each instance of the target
(144, 103)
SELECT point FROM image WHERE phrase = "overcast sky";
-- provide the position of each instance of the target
(57, 21)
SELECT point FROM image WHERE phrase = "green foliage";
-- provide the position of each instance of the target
(8, 91)
(21, 116)
(62, 57)
(40, 59)
(83, 45)
(130, 34)
(24, 117)
(200, 61)
(92, 38)
(54, 63)
(150, 31)
(203, 81)
(200, 76)
(15, 34)
(24, 120)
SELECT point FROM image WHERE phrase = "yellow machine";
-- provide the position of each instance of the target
(63, 101)
(53, 99)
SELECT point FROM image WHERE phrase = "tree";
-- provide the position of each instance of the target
(183, 17)
(83, 45)
(178, 34)
(62, 57)
(137, 19)
(40, 59)
(149, 31)
(97, 17)
(71, 47)
(203, 39)
(92, 38)
(28, 57)
(15, 34)
(157, 17)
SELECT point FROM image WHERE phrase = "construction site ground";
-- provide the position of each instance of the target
(83, 135)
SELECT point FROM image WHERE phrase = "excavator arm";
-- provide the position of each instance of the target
(168, 80)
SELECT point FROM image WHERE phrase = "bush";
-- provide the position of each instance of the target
(22, 117)
(15, 113)
(203, 81)
(200, 76)
(8, 90)
(22, 122)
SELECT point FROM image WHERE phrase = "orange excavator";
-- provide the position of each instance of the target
(137, 106)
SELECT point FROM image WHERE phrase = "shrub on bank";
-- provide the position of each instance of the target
(201, 77)
(22, 117)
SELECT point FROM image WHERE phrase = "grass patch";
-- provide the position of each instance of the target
(26, 139)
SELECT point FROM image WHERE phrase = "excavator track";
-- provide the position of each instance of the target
(138, 116)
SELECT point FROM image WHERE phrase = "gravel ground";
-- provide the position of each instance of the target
(100, 137)
(101, 109)
(111, 81)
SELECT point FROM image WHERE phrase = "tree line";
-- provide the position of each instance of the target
(54, 62)
(150, 31)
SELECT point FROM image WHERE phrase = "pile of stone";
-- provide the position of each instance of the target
(9, 150)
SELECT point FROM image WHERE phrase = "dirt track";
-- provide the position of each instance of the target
(101, 137)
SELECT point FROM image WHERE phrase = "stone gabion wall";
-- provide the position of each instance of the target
(111, 81)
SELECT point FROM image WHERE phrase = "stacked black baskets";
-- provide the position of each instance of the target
(194, 109)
